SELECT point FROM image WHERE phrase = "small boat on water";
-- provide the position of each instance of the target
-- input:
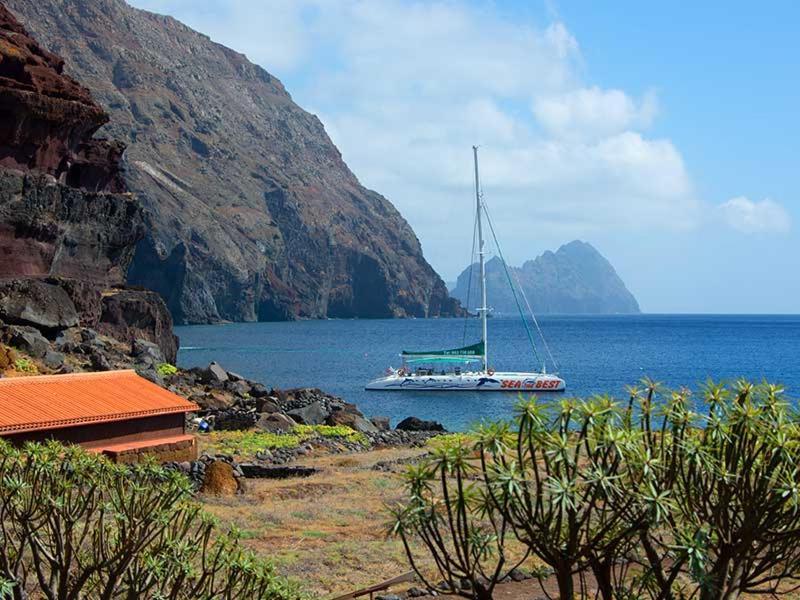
(467, 368)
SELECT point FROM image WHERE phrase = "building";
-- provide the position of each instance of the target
(116, 413)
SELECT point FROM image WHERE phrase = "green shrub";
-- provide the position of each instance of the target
(729, 520)
(451, 516)
(166, 370)
(77, 526)
(250, 443)
(25, 365)
(655, 498)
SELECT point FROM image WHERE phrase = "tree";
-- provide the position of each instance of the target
(732, 522)
(451, 516)
(559, 489)
(74, 525)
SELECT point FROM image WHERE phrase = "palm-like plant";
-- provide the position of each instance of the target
(732, 521)
(73, 525)
(558, 486)
(449, 513)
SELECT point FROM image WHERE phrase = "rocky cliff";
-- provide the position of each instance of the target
(574, 279)
(67, 234)
(254, 213)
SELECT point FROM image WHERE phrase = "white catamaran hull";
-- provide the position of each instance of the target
(478, 381)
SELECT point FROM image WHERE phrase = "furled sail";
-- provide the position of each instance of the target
(465, 353)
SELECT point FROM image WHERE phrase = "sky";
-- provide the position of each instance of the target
(665, 134)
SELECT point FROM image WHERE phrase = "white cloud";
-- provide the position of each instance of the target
(593, 112)
(405, 89)
(748, 216)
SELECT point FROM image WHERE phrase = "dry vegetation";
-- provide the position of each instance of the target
(328, 530)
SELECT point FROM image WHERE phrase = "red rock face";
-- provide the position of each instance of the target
(254, 213)
(47, 119)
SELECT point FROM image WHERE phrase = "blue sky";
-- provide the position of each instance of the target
(663, 133)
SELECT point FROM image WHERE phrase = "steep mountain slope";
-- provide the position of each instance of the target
(254, 213)
(67, 233)
(574, 279)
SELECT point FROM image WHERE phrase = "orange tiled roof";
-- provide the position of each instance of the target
(56, 401)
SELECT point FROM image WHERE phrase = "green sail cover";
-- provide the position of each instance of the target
(473, 352)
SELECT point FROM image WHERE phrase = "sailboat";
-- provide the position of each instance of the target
(467, 368)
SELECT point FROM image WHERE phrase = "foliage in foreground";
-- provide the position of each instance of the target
(654, 498)
(73, 525)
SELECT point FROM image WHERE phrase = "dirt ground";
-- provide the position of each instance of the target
(329, 531)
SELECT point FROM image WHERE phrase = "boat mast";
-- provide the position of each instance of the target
(483, 309)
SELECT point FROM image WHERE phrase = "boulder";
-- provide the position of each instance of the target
(266, 405)
(131, 315)
(238, 387)
(275, 422)
(415, 424)
(34, 302)
(382, 423)
(313, 414)
(99, 361)
(212, 400)
(351, 420)
(258, 390)
(147, 352)
(27, 339)
(53, 360)
(219, 479)
(214, 373)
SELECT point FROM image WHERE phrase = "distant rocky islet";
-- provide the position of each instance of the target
(575, 279)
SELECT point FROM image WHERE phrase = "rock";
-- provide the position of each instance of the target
(388, 597)
(266, 405)
(353, 421)
(382, 423)
(314, 242)
(415, 424)
(215, 374)
(219, 480)
(212, 400)
(275, 423)
(54, 360)
(147, 352)
(49, 117)
(32, 302)
(238, 387)
(99, 361)
(139, 316)
(519, 575)
(256, 471)
(28, 340)
(233, 419)
(574, 279)
(258, 390)
(415, 592)
(313, 414)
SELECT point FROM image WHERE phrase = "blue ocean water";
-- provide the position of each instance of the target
(596, 354)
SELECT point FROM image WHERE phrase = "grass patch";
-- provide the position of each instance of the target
(447, 439)
(331, 431)
(381, 483)
(313, 534)
(250, 443)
